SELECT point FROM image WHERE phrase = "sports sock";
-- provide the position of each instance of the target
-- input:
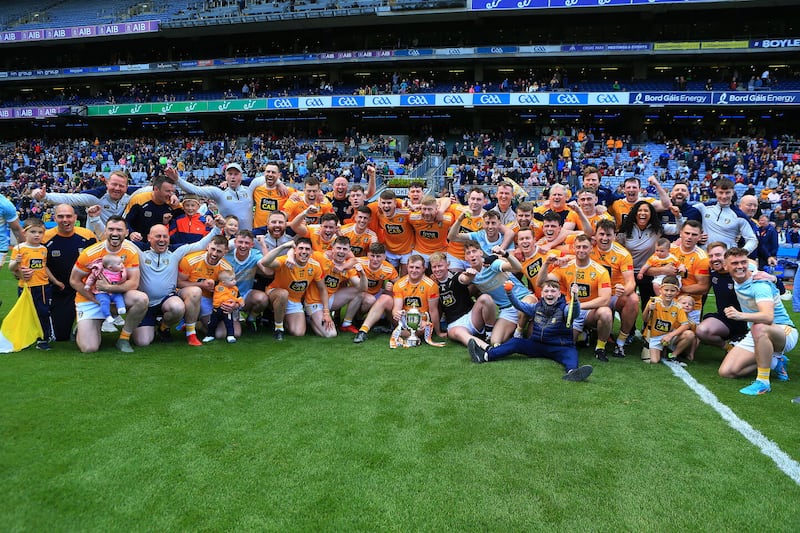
(346, 323)
(763, 375)
(124, 336)
(190, 328)
(278, 326)
(621, 338)
(601, 345)
(365, 329)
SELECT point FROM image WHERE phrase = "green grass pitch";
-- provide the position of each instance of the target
(312, 435)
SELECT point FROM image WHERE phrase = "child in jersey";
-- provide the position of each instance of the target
(225, 292)
(29, 265)
(111, 269)
(662, 257)
(666, 320)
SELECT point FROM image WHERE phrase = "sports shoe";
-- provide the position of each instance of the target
(360, 337)
(180, 325)
(108, 326)
(231, 339)
(192, 340)
(477, 354)
(119, 321)
(349, 329)
(381, 330)
(600, 354)
(164, 335)
(252, 326)
(124, 345)
(278, 335)
(755, 388)
(619, 351)
(674, 360)
(517, 333)
(630, 339)
(43, 345)
(780, 369)
(578, 374)
(796, 400)
(208, 339)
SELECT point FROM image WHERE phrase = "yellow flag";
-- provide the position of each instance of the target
(21, 327)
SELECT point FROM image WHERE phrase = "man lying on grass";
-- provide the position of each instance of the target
(552, 334)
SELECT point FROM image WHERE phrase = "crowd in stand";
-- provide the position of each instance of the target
(218, 258)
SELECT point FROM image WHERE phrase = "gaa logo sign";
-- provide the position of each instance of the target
(413, 52)
(528, 99)
(605, 98)
(381, 100)
(568, 99)
(490, 99)
(346, 101)
(452, 99)
(314, 102)
(417, 99)
(282, 103)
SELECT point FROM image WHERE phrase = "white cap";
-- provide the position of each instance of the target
(236, 166)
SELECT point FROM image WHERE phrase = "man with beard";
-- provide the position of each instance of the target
(269, 197)
(395, 229)
(679, 197)
(308, 206)
(90, 317)
(244, 258)
(158, 210)
(430, 233)
(64, 244)
(159, 275)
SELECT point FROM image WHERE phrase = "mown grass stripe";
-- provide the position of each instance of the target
(786, 464)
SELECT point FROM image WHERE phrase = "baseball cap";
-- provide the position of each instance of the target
(237, 166)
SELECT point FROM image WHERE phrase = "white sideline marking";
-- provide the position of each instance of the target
(786, 464)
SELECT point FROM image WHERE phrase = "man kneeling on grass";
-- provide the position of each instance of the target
(551, 337)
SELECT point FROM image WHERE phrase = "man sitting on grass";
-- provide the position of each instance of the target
(772, 332)
(551, 337)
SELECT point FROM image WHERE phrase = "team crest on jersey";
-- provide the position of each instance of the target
(592, 275)
(229, 197)
(56, 253)
(148, 214)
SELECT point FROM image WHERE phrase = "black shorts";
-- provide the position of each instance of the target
(155, 311)
(737, 328)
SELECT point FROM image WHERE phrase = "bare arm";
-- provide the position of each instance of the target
(454, 235)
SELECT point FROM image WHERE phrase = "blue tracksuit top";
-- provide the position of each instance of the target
(549, 321)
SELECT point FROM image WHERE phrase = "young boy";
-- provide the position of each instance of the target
(551, 337)
(662, 257)
(225, 292)
(29, 265)
(666, 323)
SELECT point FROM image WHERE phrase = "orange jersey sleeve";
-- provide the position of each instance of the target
(377, 278)
(617, 261)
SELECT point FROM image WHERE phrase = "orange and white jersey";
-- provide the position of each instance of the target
(359, 242)
(616, 260)
(566, 214)
(377, 278)
(531, 267)
(696, 263)
(594, 219)
(333, 280)
(398, 235)
(294, 208)
(194, 266)
(468, 225)
(266, 201)
(128, 252)
(590, 279)
(430, 237)
(666, 318)
(318, 244)
(297, 278)
(33, 257)
(416, 294)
